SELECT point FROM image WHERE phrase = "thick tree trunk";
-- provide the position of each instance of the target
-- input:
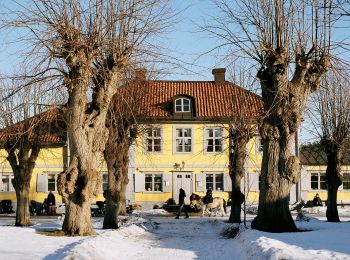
(334, 180)
(87, 135)
(22, 163)
(117, 158)
(22, 212)
(279, 172)
(284, 103)
(78, 185)
(238, 154)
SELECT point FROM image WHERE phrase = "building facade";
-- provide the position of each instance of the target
(182, 142)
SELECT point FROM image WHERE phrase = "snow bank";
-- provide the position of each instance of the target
(325, 241)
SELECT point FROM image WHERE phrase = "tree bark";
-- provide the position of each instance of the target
(284, 103)
(87, 137)
(333, 178)
(117, 158)
(279, 172)
(22, 194)
(238, 154)
(22, 163)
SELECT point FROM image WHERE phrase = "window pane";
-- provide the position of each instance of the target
(148, 178)
(314, 181)
(148, 186)
(5, 184)
(209, 178)
(156, 132)
(186, 102)
(187, 132)
(218, 145)
(178, 102)
(186, 109)
(218, 133)
(149, 132)
(149, 145)
(323, 185)
(157, 178)
(178, 132)
(210, 146)
(210, 132)
(178, 109)
(219, 182)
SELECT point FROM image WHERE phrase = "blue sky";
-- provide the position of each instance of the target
(185, 42)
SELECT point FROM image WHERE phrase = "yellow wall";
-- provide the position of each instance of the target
(197, 161)
(342, 196)
(51, 160)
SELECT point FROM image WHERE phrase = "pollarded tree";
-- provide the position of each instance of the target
(330, 115)
(123, 129)
(241, 129)
(87, 45)
(290, 42)
(26, 129)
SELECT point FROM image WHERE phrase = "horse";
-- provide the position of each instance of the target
(217, 204)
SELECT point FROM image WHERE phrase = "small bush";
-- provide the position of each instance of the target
(156, 206)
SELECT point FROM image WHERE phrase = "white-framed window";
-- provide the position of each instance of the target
(214, 181)
(153, 139)
(318, 181)
(104, 181)
(6, 182)
(183, 139)
(213, 139)
(346, 181)
(52, 182)
(182, 105)
(153, 182)
(259, 145)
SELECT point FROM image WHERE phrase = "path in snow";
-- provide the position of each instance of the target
(162, 238)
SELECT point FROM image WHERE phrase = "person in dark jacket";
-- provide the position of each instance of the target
(317, 200)
(208, 198)
(182, 196)
(51, 202)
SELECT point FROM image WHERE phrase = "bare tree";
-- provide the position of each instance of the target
(330, 115)
(26, 129)
(123, 130)
(87, 45)
(290, 43)
(241, 129)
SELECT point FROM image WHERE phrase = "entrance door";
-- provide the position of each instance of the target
(182, 180)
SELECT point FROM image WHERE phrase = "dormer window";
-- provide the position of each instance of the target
(182, 105)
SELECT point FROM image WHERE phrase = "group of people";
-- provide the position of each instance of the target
(208, 198)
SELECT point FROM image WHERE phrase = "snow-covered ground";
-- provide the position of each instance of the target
(156, 235)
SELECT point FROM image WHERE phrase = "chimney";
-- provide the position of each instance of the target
(219, 75)
(140, 74)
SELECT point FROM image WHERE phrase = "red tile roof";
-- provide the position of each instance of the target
(212, 101)
(50, 124)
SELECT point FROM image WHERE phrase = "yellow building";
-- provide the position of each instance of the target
(313, 175)
(183, 144)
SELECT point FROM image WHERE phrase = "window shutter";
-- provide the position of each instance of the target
(227, 182)
(253, 181)
(167, 182)
(305, 179)
(41, 182)
(139, 182)
(200, 182)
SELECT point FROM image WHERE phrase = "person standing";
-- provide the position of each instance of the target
(182, 196)
(51, 201)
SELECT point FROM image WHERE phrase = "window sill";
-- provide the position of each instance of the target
(7, 192)
(150, 192)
